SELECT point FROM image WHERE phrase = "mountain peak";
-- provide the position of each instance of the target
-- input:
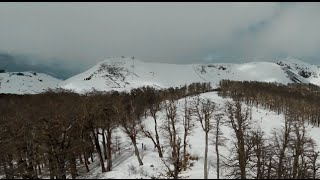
(117, 59)
(293, 61)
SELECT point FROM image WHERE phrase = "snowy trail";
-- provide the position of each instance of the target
(194, 69)
(122, 157)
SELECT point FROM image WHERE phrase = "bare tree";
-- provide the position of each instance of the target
(188, 126)
(218, 139)
(204, 110)
(129, 116)
(110, 125)
(281, 139)
(93, 117)
(259, 152)
(238, 119)
(299, 130)
(170, 131)
(154, 106)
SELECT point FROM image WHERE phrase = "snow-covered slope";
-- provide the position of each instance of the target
(304, 71)
(125, 164)
(123, 73)
(26, 82)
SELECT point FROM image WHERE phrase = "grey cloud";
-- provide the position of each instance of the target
(294, 31)
(85, 33)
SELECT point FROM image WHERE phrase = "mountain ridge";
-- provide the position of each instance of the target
(124, 73)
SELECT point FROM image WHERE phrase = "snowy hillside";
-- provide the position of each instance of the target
(123, 73)
(26, 82)
(306, 72)
(127, 166)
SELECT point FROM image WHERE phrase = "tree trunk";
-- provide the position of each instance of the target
(263, 166)
(20, 163)
(284, 147)
(38, 165)
(205, 169)
(39, 169)
(86, 161)
(314, 165)
(259, 168)
(80, 158)
(92, 148)
(104, 144)
(109, 150)
(295, 165)
(136, 150)
(269, 168)
(73, 167)
(31, 170)
(61, 166)
(91, 157)
(96, 141)
(280, 163)
(52, 168)
(177, 162)
(185, 149)
(157, 138)
(218, 156)
(242, 156)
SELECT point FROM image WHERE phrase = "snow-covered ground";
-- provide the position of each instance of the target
(26, 82)
(126, 164)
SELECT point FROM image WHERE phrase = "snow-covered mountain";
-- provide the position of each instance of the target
(26, 82)
(123, 73)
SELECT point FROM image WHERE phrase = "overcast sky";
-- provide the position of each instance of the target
(82, 34)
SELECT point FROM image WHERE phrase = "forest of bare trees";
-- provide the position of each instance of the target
(54, 133)
(289, 153)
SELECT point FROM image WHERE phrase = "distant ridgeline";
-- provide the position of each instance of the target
(2, 71)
